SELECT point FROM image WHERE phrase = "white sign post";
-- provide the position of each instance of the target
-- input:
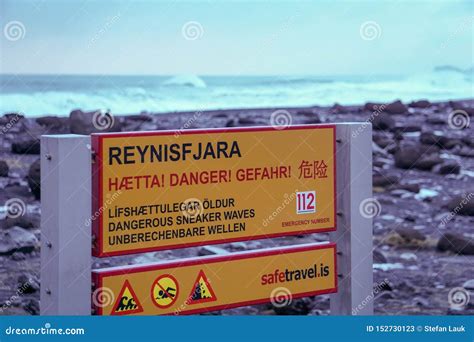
(353, 236)
(65, 229)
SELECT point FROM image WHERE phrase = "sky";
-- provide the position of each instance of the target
(234, 37)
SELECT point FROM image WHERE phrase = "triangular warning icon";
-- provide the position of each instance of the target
(202, 291)
(127, 301)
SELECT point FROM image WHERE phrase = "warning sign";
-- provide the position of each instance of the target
(127, 301)
(202, 290)
(164, 291)
(163, 190)
(226, 281)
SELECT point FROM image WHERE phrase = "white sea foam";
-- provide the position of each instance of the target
(388, 266)
(186, 80)
(58, 95)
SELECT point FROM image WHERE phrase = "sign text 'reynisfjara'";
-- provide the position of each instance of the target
(162, 190)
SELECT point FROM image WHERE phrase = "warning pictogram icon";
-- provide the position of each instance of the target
(202, 291)
(164, 291)
(127, 301)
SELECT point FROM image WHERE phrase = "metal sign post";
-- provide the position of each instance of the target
(65, 228)
(354, 231)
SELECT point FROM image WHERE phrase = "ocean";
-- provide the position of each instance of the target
(36, 95)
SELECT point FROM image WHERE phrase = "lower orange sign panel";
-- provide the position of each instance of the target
(197, 285)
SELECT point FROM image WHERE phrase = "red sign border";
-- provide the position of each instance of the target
(153, 285)
(208, 284)
(97, 193)
(99, 275)
(135, 297)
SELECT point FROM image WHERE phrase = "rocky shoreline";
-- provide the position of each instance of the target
(423, 158)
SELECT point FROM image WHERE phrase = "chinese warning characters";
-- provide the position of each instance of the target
(158, 190)
(313, 169)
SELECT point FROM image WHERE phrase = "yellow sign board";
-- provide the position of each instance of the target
(163, 190)
(188, 286)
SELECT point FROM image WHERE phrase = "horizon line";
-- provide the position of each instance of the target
(203, 75)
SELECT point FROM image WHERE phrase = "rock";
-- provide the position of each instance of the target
(420, 104)
(448, 167)
(26, 146)
(406, 157)
(383, 179)
(17, 239)
(34, 178)
(54, 124)
(405, 285)
(376, 150)
(430, 138)
(28, 283)
(406, 129)
(410, 234)
(4, 168)
(463, 205)
(50, 121)
(449, 143)
(313, 120)
(469, 285)
(11, 117)
(427, 162)
(379, 257)
(26, 221)
(400, 193)
(382, 286)
(383, 121)
(135, 126)
(456, 243)
(211, 250)
(338, 109)
(238, 246)
(220, 116)
(469, 141)
(419, 157)
(93, 122)
(306, 112)
(436, 120)
(458, 105)
(384, 295)
(412, 187)
(231, 123)
(316, 312)
(31, 306)
(420, 301)
(398, 136)
(382, 140)
(464, 151)
(20, 192)
(439, 140)
(300, 306)
(18, 256)
(143, 117)
(392, 149)
(466, 311)
(149, 126)
(396, 107)
(374, 107)
(410, 218)
(378, 163)
(246, 122)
